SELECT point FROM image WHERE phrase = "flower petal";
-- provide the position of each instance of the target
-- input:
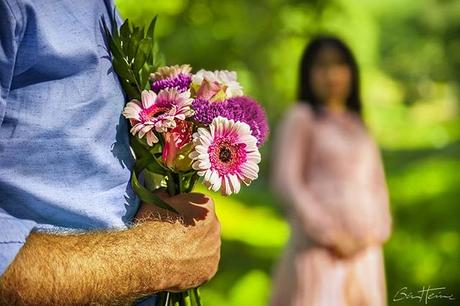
(148, 98)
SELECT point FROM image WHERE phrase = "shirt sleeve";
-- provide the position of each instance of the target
(13, 235)
(10, 35)
(13, 231)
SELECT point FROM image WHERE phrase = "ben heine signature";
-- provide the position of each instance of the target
(424, 295)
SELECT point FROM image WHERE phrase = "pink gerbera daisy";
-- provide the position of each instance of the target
(225, 155)
(157, 112)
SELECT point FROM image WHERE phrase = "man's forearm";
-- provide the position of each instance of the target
(102, 267)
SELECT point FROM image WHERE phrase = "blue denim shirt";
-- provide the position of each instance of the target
(64, 156)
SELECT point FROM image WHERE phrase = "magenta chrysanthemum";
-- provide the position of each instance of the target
(157, 112)
(241, 108)
(225, 155)
(206, 111)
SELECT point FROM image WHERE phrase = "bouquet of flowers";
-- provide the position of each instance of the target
(184, 126)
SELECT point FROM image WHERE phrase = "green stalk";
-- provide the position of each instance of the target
(180, 183)
(171, 184)
(187, 298)
(191, 182)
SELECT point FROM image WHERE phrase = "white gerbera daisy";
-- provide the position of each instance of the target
(225, 155)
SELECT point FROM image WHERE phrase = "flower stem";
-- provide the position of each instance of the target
(180, 183)
(191, 182)
(171, 184)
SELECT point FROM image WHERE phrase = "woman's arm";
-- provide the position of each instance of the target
(380, 221)
(289, 165)
(344, 229)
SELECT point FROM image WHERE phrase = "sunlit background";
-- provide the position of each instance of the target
(409, 54)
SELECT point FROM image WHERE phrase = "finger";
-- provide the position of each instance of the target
(198, 199)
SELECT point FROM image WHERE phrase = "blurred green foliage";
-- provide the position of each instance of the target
(409, 54)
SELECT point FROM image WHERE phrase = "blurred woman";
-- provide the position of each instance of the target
(328, 173)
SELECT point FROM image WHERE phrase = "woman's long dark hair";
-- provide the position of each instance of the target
(310, 55)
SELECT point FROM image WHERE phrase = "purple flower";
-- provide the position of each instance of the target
(240, 108)
(181, 82)
(178, 77)
(205, 111)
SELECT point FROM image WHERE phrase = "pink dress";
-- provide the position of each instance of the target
(328, 173)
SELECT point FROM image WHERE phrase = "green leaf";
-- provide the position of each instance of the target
(132, 92)
(121, 68)
(158, 57)
(115, 49)
(139, 148)
(135, 37)
(107, 31)
(149, 163)
(135, 55)
(154, 167)
(143, 49)
(125, 37)
(113, 40)
(115, 34)
(148, 196)
(125, 32)
(141, 164)
(151, 29)
(145, 74)
(139, 33)
(145, 158)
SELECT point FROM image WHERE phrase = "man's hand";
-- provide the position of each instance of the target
(196, 241)
(116, 267)
(192, 207)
